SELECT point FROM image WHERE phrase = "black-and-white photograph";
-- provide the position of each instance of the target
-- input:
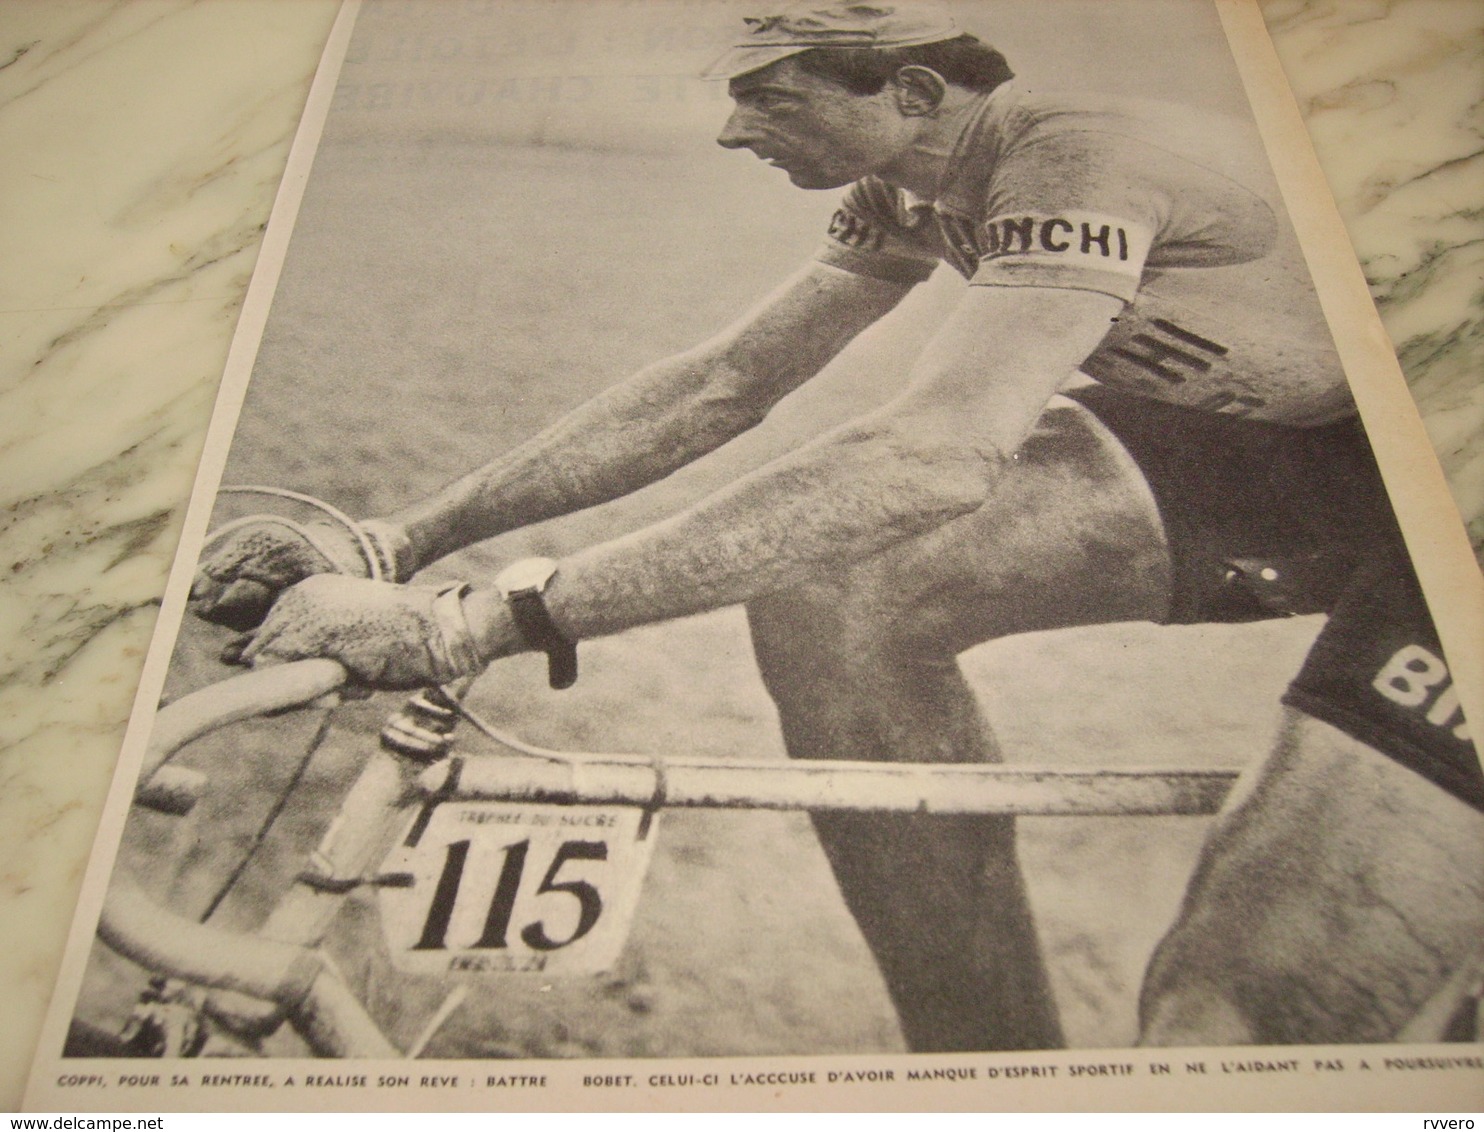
(784, 529)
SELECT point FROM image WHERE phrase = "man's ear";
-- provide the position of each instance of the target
(919, 90)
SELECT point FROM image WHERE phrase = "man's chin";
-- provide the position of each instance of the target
(813, 179)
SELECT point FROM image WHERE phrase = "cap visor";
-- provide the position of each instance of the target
(745, 60)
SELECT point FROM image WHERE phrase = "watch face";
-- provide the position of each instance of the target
(529, 574)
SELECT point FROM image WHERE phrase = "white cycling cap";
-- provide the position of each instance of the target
(801, 27)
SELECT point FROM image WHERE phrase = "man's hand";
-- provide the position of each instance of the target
(238, 581)
(387, 636)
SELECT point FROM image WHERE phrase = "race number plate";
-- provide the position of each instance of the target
(492, 887)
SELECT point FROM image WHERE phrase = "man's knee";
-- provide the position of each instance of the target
(838, 630)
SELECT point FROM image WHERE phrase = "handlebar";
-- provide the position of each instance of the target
(296, 978)
(259, 692)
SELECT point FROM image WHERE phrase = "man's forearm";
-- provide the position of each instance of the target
(850, 495)
(640, 431)
(659, 420)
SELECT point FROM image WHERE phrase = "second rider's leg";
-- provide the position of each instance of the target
(1342, 888)
(863, 666)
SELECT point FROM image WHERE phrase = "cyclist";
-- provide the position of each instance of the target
(1211, 470)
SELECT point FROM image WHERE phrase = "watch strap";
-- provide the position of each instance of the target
(534, 622)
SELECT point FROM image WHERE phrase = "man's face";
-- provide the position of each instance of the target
(816, 131)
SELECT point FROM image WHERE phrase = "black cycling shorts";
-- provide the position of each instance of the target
(1266, 520)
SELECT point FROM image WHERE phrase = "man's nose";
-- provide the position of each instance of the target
(736, 134)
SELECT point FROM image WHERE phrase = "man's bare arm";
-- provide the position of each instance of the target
(661, 419)
(927, 457)
(930, 455)
(639, 431)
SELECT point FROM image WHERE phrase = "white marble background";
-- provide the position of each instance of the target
(143, 143)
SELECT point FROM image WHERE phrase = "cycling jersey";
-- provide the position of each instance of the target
(1171, 211)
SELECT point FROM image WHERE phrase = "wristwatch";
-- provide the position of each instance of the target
(521, 584)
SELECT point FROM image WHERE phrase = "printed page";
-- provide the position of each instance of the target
(939, 601)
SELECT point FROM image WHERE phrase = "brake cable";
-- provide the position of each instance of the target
(363, 541)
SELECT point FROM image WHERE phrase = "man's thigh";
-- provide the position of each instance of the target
(1071, 535)
(1335, 896)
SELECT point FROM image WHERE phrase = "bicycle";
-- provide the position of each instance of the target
(452, 845)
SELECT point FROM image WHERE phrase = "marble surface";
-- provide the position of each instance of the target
(145, 140)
